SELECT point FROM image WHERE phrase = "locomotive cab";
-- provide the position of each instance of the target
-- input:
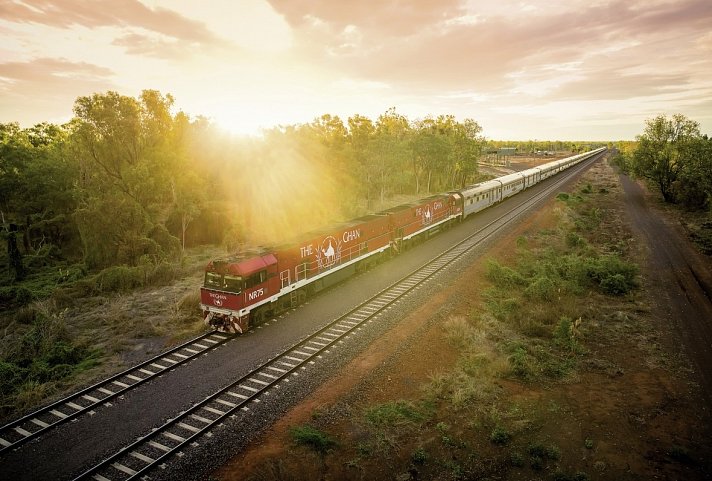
(234, 287)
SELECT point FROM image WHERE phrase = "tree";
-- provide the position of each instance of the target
(129, 157)
(360, 137)
(664, 150)
(389, 149)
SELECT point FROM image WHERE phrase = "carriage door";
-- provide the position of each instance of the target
(284, 277)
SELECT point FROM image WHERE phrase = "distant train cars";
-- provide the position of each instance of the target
(242, 290)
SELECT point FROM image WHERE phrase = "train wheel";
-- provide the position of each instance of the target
(258, 317)
(301, 297)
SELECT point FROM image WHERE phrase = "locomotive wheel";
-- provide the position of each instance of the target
(258, 317)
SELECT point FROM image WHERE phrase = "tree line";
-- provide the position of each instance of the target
(674, 156)
(127, 181)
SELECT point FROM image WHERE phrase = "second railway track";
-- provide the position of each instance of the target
(153, 449)
(39, 422)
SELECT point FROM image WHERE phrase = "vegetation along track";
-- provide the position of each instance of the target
(152, 450)
(39, 422)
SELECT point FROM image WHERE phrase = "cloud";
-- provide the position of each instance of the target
(153, 46)
(45, 84)
(445, 45)
(108, 13)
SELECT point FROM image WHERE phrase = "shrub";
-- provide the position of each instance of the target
(613, 275)
(10, 377)
(311, 437)
(503, 276)
(566, 334)
(541, 288)
(574, 240)
(118, 279)
(396, 413)
(23, 296)
(520, 363)
(419, 456)
(500, 436)
(516, 459)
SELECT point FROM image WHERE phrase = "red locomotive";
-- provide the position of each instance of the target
(242, 290)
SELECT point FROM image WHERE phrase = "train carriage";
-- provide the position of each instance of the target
(511, 184)
(425, 216)
(331, 249)
(480, 196)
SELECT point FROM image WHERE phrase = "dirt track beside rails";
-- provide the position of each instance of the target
(642, 401)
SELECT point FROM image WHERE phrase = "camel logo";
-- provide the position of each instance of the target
(329, 253)
(427, 216)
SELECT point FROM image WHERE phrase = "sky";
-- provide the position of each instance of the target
(538, 69)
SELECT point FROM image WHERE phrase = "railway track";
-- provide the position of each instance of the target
(178, 433)
(39, 422)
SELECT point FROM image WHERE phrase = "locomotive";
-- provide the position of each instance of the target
(243, 290)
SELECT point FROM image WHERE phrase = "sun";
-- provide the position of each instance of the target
(239, 125)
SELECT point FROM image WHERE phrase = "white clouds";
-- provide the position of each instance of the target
(507, 64)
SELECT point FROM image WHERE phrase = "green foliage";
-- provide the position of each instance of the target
(521, 363)
(395, 413)
(542, 287)
(516, 459)
(313, 438)
(419, 456)
(44, 354)
(670, 150)
(612, 274)
(500, 435)
(702, 236)
(503, 276)
(680, 454)
(567, 333)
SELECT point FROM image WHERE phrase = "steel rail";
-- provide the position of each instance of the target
(149, 451)
(38, 422)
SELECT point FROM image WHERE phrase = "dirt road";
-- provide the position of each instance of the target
(681, 279)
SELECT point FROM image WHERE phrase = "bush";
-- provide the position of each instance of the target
(500, 436)
(396, 413)
(503, 276)
(311, 437)
(541, 288)
(566, 334)
(118, 279)
(613, 275)
(520, 363)
(11, 375)
(419, 456)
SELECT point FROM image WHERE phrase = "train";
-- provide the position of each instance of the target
(243, 290)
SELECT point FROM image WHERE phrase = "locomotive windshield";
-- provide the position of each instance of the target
(225, 282)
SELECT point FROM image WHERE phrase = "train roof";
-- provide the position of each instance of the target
(414, 203)
(480, 187)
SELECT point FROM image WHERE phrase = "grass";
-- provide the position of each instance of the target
(395, 414)
(311, 437)
(40, 360)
